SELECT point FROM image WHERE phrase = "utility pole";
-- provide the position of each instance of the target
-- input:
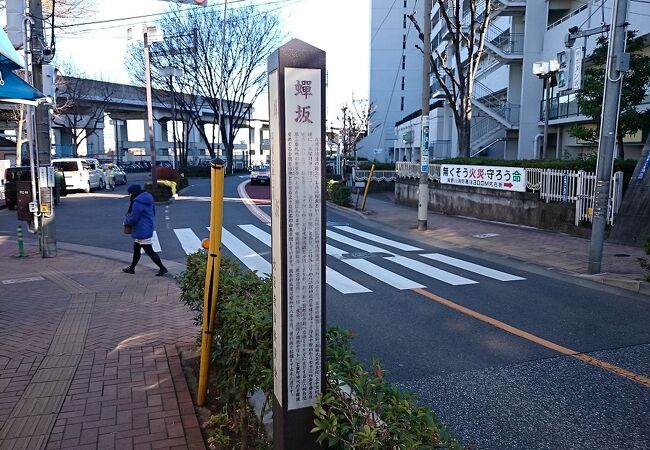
(617, 64)
(152, 138)
(42, 131)
(423, 196)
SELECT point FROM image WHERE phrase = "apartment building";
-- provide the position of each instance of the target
(508, 98)
(395, 73)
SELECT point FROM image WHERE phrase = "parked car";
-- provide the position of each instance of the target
(14, 174)
(118, 173)
(260, 174)
(81, 173)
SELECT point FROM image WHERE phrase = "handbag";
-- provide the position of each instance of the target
(128, 229)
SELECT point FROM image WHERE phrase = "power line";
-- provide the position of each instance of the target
(135, 21)
(382, 22)
(182, 10)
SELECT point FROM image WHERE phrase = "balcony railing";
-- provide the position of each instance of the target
(561, 107)
(509, 43)
(568, 16)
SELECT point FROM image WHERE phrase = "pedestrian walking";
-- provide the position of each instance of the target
(110, 177)
(140, 217)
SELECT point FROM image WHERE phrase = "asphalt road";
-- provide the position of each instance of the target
(492, 353)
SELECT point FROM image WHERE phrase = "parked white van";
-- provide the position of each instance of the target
(80, 173)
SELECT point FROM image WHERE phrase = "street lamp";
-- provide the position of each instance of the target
(150, 34)
(172, 72)
(546, 70)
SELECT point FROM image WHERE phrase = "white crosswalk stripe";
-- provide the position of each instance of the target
(338, 281)
(383, 275)
(245, 254)
(190, 243)
(481, 270)
(430, 271)
(354, 243)
(378, 239)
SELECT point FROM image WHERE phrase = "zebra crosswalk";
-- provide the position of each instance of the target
(369, 255)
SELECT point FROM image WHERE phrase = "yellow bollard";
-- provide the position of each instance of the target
(365, 193)
(211, 287)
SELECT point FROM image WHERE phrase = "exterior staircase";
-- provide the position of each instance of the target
(506, 113)
(485, 132)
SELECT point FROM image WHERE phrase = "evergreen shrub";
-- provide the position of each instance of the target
(357, 410)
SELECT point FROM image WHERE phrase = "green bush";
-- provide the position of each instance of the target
(377, 416)
(359, 410)
(162, 194)
(366, 165)
(338, 192)
(183, 182)
(242, 347)
(170, 184)
(645, 264)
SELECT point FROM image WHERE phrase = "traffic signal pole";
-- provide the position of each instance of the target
(42, 130)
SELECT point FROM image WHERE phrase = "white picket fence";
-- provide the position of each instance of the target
(576, 187)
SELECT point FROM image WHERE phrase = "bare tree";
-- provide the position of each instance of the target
(80, 105)
(455, 66)
(355, 125)
(224, 65)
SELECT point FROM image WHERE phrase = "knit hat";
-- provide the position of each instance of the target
(134, 188)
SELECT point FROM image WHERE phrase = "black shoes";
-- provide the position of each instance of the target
(131, 270)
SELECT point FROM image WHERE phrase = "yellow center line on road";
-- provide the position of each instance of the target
(640, 379)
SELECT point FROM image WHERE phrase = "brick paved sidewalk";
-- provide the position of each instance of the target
(88, 355)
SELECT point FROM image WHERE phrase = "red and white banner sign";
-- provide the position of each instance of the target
(490, 177)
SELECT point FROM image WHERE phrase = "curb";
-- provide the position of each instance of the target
(636, 286)
(174, 267)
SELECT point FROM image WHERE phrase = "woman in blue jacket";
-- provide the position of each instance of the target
(140, 216)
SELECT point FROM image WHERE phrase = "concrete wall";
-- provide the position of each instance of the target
(521, 208)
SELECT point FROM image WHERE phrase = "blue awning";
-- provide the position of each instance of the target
(14, 89)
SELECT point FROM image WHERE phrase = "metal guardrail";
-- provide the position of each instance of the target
(378, 175)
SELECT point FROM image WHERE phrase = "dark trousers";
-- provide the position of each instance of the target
(148, 249)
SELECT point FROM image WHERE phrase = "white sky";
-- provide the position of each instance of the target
(339, 27)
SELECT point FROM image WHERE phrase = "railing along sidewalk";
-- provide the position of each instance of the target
(553, 185)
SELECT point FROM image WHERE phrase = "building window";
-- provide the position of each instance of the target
(403, 62)
(403, 42)
(402, 83)
(404, 3)
(401, 105)
(404, 21)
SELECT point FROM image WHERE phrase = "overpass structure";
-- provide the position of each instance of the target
(112, 120)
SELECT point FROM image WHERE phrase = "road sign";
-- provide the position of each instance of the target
(490, 177)
(297, 105)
